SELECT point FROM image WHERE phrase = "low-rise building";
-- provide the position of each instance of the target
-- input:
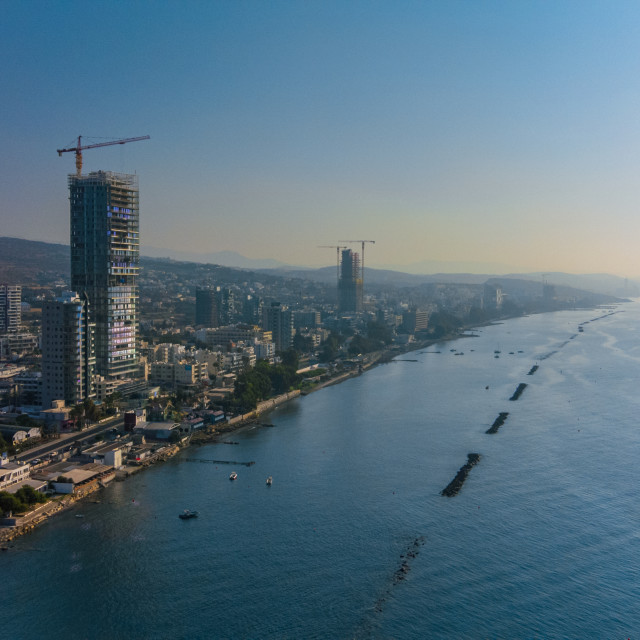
(17, 434)
(157, 430)
(12, 472)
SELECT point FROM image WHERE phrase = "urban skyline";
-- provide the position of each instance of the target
(493, 134)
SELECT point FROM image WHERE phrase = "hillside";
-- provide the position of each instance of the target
(33, 263)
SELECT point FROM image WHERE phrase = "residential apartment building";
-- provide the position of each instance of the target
(10, 308)
(206, 308)
(68, 356)
(278, 319)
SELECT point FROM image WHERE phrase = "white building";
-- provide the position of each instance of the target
(12, 472)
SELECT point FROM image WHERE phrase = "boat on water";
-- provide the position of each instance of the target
(187, 514)
(233, 475)
(269, 481)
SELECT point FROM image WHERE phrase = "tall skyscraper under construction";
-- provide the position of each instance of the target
(350, 282)
(105, 256)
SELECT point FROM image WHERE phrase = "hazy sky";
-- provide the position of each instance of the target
(498, 132)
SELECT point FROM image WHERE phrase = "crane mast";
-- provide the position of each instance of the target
(337, 247)
(80, 147)
(363, 243)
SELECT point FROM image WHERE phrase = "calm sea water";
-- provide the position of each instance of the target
(543, 541)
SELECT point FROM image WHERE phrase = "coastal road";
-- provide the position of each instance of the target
(68, 440)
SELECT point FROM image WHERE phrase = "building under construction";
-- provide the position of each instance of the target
(105, 255)
(350, 282)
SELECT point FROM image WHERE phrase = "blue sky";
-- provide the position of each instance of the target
(461, 131)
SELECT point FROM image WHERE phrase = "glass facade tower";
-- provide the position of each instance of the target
(105, 256)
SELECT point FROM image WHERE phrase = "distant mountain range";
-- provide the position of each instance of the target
(596, 283)
(225, 258)
(31, 262)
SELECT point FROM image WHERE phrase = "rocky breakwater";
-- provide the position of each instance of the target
(453, 488)
(498, 422)
(518, 392)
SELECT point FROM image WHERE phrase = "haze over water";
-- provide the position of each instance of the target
(542, 541)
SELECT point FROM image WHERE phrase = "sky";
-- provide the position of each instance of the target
(472, 133)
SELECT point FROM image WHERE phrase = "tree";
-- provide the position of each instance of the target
(302, 344)
(91, 412)
(290, 359)
(331, 346)
(443, 323)
(77, 415)
(29, 496)
(26, 421)
(380, 332)
(111, 402)
(10, 504)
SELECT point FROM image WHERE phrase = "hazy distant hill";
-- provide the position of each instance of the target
(33, 263)
(30, 262)
(226, 258)
(596, 283)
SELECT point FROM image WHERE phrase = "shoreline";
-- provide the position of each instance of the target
(214, 433)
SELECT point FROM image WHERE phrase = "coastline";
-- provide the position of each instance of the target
(213, 433)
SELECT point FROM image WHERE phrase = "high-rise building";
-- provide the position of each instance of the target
(226, 305)
(68, 358)
(414, 320)
(10, 308)
(105, 255)
(206, 308)
(350, 282)
(251, 309)
(278, 319)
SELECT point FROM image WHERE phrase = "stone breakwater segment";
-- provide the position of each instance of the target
(518, 392)
(455, 485)
(533, 370)
(498, 422)
(411, 552)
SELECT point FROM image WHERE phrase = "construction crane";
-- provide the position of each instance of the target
(337, 247)
(363, 243)
(79, 148)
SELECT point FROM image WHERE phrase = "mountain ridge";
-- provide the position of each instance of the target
(29, 262)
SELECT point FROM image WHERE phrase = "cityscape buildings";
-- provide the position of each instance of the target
(105, 248)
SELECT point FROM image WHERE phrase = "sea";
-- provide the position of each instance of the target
(354, 539)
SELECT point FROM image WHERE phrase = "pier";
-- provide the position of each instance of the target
(205, 460)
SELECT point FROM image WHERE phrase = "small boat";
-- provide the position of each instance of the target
(186, 514)
(79, 515)
(269, 481)
(233, 475)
